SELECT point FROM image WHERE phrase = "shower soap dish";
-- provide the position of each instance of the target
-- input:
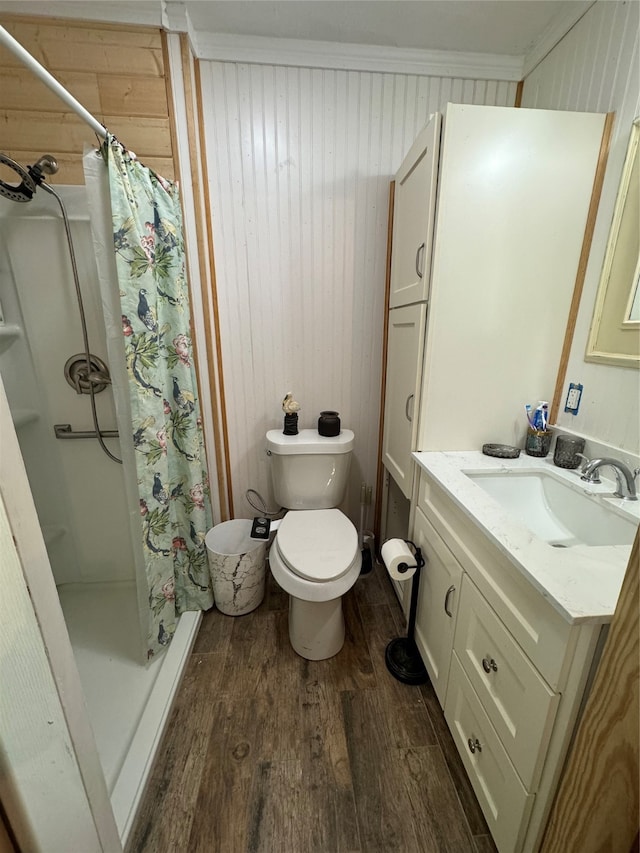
(502, 451)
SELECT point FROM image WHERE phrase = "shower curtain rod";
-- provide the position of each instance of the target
(49, 80)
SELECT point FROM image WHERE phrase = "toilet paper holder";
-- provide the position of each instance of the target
(401, 655)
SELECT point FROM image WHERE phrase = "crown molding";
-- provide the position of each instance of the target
(554, 33)
(355, 57)
(175, 18)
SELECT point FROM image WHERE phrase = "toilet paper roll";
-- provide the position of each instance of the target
(399, 559)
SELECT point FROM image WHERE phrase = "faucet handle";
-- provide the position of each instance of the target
(585, 460)
(588, 476)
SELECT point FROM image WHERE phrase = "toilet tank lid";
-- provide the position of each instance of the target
(309, 441)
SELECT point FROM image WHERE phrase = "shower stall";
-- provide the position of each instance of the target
(55, 392)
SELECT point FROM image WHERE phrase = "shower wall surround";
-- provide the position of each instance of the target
(299, 162)
(83, 516)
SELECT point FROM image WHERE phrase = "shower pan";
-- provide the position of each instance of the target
(50, 309)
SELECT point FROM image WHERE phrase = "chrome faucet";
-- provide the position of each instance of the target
(625, 477)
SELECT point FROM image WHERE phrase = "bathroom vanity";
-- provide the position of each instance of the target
(489, 216)
(510, 627)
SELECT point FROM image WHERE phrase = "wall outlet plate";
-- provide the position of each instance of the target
(574, 395)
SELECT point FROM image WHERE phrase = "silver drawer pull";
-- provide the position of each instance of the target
(489, 665)
(419, 271)
(450, 592)
(474, 745)
(406, 408)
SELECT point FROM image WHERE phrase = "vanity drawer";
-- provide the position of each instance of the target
(519, 703)
(546, 638)
(505, 802)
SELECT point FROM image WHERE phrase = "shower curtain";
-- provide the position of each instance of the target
(162, 408)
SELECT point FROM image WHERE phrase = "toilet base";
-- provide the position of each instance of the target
(316, 628)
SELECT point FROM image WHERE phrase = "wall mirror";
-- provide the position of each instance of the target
(615, 328)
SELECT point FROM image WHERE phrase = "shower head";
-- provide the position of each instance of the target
(32, 177)
(17, 192)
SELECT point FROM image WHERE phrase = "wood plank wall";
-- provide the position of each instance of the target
(118, 73)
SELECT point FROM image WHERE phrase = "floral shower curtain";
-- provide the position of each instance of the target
(175, 511)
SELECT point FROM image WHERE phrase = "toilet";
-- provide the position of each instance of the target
(315, 555)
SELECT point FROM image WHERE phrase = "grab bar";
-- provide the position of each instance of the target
(67, 431)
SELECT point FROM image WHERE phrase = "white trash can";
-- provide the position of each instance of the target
(238, 567)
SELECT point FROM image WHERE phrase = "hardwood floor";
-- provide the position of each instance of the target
(266, 751)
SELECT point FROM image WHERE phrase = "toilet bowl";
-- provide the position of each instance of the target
(315, 555)
(316, 559)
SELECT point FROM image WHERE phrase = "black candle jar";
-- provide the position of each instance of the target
(568, 451)
(329, 424)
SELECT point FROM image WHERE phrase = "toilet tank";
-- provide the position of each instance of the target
(308, 470)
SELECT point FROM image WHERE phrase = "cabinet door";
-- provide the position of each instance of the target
(401, 406)
(514, 187)
(520, 705)
(413, 217)
(438, 597)
(504, 800)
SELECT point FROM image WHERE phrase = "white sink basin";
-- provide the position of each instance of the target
(556, 511)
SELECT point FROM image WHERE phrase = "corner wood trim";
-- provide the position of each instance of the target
(596, 807)
(175, 155)
(517, 102)
(188, 83)
(173, 136)
(582, 264)
(205, 245)
(383, 385)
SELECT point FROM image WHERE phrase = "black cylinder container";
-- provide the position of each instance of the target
(290, 423)
(329, 424)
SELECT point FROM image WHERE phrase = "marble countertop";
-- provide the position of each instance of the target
(581, 582)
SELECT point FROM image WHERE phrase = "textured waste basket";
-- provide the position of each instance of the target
(237, 565)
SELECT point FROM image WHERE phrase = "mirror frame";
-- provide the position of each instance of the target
(608, 286)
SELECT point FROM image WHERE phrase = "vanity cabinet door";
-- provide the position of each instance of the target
(438, 598)
(504, 800)
(413, 218)
(401, 405)
(519, 703)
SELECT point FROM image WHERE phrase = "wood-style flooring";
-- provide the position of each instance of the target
(266, 751)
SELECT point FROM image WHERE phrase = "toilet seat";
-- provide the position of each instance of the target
(345, 560)
(318, 545)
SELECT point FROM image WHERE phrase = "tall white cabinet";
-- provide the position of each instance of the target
(489, 219)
